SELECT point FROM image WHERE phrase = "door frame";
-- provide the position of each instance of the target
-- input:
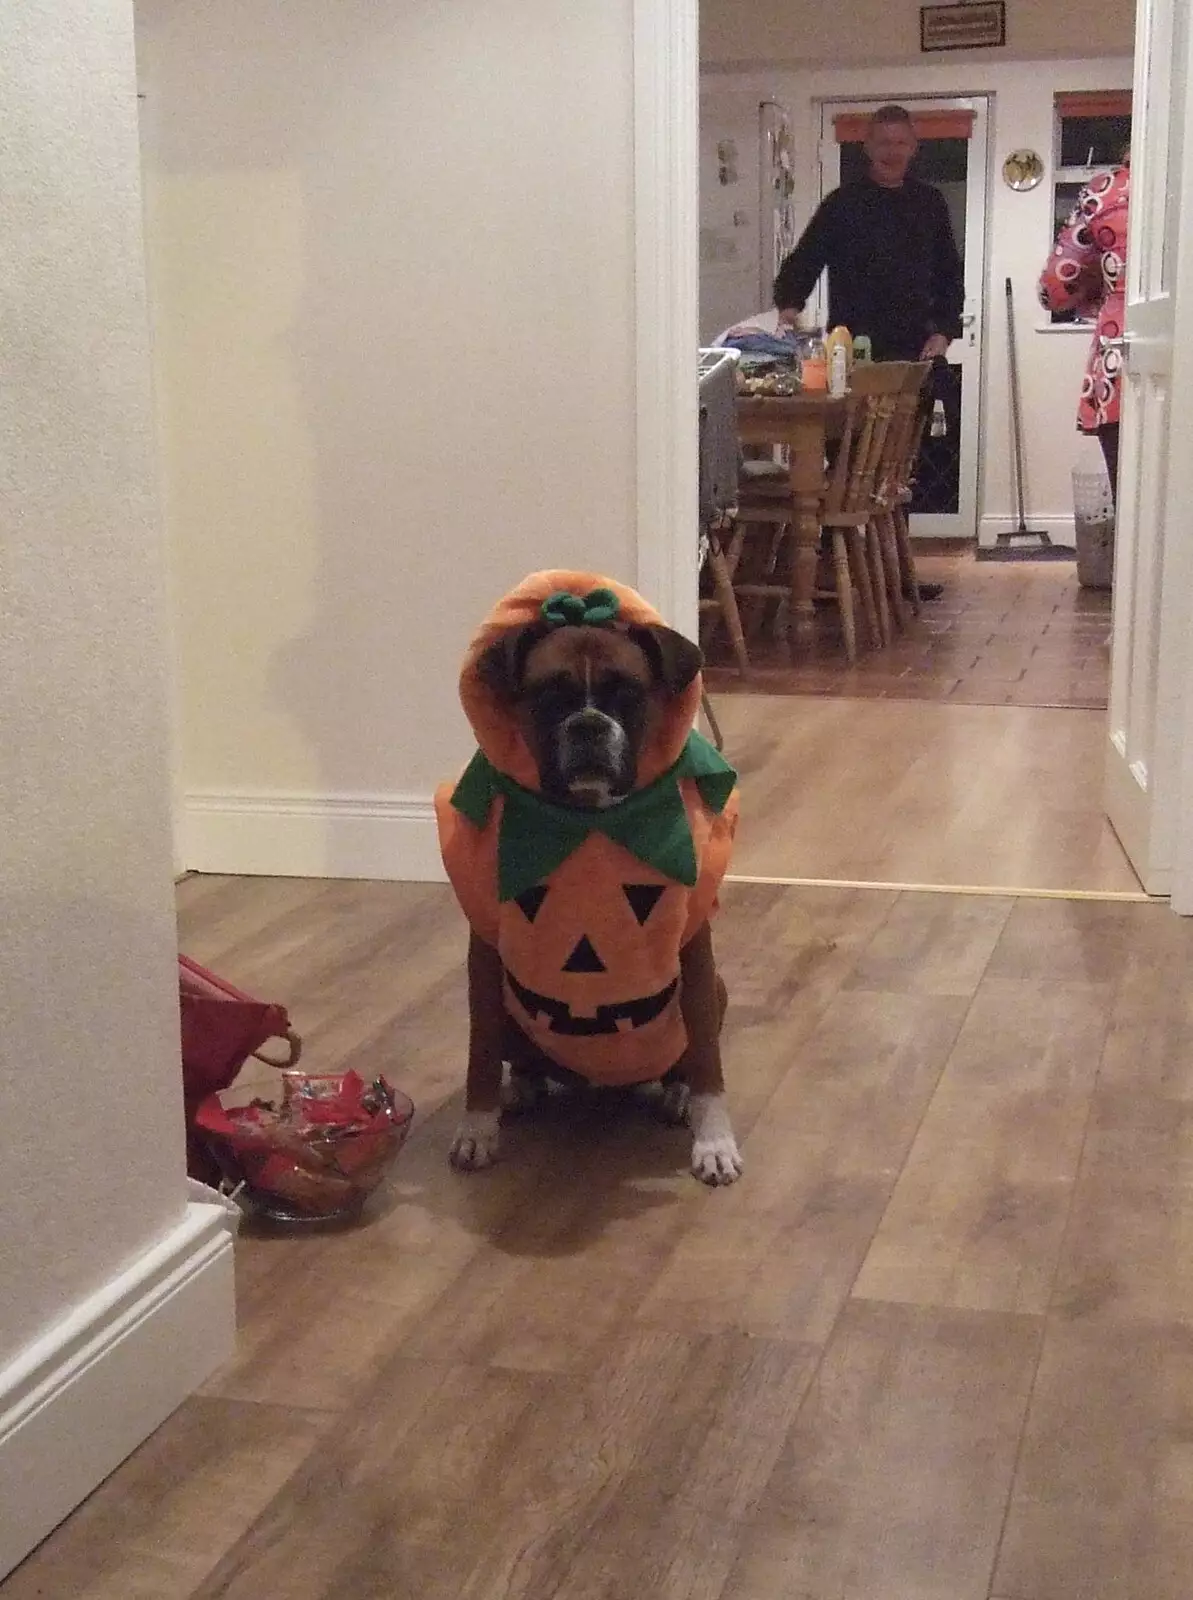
(667, 304)
(1149, 750)
(977, 202)
(1177, 657)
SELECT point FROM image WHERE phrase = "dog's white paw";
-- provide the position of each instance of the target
(716, 1159)
(475, 1144)
(673, 1103)
(717, 1162)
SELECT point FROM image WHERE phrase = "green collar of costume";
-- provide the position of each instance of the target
(652, 824)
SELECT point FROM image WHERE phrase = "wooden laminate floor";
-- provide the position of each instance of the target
(917, 792)
(1002, 633)
(937, 1345)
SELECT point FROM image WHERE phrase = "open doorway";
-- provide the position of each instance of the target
(951, 158)
(970, 750)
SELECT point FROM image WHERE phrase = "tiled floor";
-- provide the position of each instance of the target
(1003, 633)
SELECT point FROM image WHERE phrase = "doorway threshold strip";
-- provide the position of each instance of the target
(1126, 896)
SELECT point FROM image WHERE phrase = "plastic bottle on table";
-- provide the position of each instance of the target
(840, 361)
(814, 365)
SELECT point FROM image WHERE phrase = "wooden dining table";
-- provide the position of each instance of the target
(804, 423)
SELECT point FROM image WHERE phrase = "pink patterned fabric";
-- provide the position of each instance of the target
(1087, 272)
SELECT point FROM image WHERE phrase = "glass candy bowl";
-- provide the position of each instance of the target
(318, 1153)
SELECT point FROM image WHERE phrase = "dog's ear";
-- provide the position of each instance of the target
(501, 666)
(674, 660)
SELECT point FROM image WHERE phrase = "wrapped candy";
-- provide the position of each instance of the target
(318, 1153)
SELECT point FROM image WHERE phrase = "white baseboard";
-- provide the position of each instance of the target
(313, 836)
(1058, 528)
(86, 1394)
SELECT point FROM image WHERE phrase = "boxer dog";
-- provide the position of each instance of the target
(588, 701)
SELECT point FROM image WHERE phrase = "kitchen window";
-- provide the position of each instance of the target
(1092, 128)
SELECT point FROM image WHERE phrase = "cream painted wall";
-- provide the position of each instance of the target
(1018, 238)
(90, 1098)
(825, 33)
(391, 257)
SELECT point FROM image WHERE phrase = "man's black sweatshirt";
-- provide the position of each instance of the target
(893, 268)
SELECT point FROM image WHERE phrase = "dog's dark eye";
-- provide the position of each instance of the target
(558, 696)
(620, 697)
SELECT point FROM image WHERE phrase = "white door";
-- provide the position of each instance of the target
(946, 504)
(1151, 617)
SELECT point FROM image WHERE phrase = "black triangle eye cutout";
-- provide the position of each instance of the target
(530, 901)
(584, 959)
(643, 898)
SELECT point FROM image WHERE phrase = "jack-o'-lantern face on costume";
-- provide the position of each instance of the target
(588, 903)
(589, 954)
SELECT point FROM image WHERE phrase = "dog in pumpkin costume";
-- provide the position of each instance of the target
(586, 843)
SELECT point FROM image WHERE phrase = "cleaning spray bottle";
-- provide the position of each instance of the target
(839, 349)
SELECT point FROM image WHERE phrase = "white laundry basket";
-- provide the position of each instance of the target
(1093, 520)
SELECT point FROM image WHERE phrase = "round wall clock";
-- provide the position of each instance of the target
(1022, 170)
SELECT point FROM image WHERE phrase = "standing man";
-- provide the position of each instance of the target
(894, 270)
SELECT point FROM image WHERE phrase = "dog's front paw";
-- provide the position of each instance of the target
(717, 1162)
(475, 1144)
(716, 1159)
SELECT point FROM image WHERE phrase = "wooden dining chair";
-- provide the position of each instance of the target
(754, 554)
(906, 486)
(845, 514)
(850, 499)
(892, 561)
(721, 549)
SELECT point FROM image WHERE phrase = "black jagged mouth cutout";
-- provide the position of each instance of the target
(559, 1014)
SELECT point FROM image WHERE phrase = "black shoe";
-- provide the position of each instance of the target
(928, 591)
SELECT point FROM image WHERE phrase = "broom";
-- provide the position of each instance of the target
(1005, 547)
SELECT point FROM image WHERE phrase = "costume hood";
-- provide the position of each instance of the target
(496, 730)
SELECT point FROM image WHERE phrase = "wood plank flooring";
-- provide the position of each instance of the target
(1002, 633)
(914, 792)
(937, 1345)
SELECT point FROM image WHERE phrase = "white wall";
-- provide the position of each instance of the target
(1018, 239)
(93, 1181)
(393, 281)
(806, 33)
(89, 1096)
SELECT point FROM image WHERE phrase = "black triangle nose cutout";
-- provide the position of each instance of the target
(643, 898)
(584, 959)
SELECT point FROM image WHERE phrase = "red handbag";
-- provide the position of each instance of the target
(221, 1028)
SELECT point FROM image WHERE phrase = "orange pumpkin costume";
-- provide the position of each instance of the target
(588, 910)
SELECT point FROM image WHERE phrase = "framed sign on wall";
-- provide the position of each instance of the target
(976, 25)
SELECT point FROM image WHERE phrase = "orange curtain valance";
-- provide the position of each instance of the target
(1094, 103)
(850, 126)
